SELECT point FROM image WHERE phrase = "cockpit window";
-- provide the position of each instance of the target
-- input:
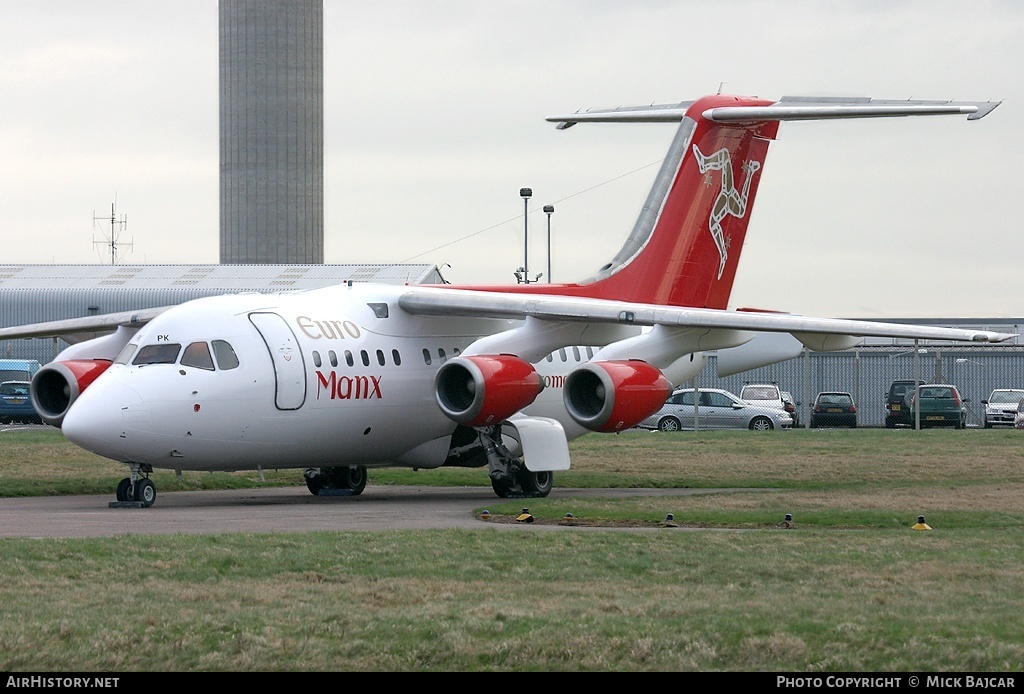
(198, 355)
(126, 354)
(166, 353)
(226, 357)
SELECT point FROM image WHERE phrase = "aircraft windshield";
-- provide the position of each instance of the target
(198, 355)
(166, 353)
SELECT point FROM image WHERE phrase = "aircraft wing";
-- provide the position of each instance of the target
(74, 330)
(490, 304)
(786, 108)
(487, 304)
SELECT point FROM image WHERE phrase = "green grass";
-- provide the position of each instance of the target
(850, 588)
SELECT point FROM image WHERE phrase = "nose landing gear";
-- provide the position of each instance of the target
(135, 491)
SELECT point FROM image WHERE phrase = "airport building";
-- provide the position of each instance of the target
(39, 293)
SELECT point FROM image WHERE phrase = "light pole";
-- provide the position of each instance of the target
(525, 194)
(548, 209)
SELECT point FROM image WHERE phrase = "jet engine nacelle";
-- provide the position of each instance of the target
(611, 396)
(59, 383)
(483, 390)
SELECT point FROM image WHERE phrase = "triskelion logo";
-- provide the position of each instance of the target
(729, 201)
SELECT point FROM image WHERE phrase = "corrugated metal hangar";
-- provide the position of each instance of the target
(37, 293)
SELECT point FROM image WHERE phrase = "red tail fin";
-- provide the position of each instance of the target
(685, 246)
(686, 243)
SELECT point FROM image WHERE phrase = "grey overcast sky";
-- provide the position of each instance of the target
(434, 119)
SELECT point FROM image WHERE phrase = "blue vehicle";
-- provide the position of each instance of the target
(18, 369)
(15, 403)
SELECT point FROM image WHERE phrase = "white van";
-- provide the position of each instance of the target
(18, 369)
(764, 394)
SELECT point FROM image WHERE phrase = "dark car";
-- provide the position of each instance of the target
(940, 405)
(792, 407)
(15, 404)
(834, 409)
(897, 410)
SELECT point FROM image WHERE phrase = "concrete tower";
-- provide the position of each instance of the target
(271, 131)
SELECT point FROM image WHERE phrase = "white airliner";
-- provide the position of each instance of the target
(357, 376)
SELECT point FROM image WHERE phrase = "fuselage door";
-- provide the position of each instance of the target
(287, 357)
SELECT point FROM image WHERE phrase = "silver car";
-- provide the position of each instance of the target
(1001, 406)
(715, 409)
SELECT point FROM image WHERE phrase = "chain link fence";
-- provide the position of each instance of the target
(866, 373)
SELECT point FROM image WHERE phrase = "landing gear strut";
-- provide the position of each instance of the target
(510, 477)
(137, 488)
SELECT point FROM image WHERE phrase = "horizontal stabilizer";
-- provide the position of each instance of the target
(786, 108)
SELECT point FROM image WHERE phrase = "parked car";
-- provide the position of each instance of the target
(764, 394)
(18, 369)
(790, 406)
(1001, 406)
(834, 409)
(940, 405)
(15, 404)
(716, 409)
(1018, 418)
(897, 406)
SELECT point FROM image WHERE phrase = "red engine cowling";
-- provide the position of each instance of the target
(59, 383)
(485, 389)
(611, 396)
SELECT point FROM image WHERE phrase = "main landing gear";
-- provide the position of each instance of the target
(136, 490)
(510, 478)
(337, 480)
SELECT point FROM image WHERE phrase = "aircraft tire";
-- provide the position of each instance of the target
(145, 492)
(503, 488)
(536, 483)
(124, 489)
(354, 478)
(314, 483)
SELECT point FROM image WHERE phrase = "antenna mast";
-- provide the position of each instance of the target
(111, 239)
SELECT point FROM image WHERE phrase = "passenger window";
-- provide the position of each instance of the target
(225, 353)
(380, 357)
(333, 357)
(576, 353)
(197, 355)
(562, 355)
(365, 357)
(157, 354)
(397, 357)
(349, 359)
(426, 356)
(126, 354)
(441, 355)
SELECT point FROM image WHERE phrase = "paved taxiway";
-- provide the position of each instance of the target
(282, 509)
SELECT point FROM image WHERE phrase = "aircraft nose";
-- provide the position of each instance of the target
(95, 420)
